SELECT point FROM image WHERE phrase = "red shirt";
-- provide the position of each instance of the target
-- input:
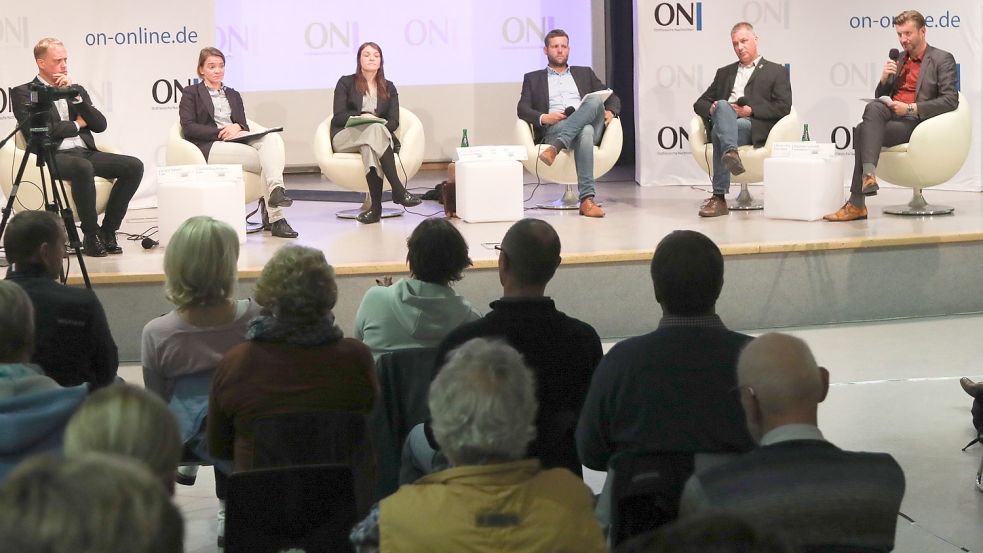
(908, 79)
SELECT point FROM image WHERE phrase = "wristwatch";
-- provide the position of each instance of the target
(911, 109)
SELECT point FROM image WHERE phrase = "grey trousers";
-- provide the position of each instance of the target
(880, 128)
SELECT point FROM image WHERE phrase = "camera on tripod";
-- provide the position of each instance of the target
(44, 96)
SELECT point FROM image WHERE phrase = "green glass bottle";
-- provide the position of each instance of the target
(464, 139)
(805, 132)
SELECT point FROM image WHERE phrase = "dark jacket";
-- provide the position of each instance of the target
(197, 113)
(72, 343)
(936, 91)
(94, 119)
(348, 102)
(768, 92)
(534, 100)
(561, 351)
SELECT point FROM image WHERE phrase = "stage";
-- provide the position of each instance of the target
(778, 273)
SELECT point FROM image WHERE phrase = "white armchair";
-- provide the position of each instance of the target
(936, 151)
(29, 195)
(346, 169)
(564, 168)
(787, 129)
(182, 152)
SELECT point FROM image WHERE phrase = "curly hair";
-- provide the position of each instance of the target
(297, 284)
(437, 252)
(188, 281)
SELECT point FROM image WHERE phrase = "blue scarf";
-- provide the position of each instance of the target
(266, 328)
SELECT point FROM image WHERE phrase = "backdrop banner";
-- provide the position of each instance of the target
(834, 50)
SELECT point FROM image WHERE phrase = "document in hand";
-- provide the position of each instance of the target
(886, 100)
(245, 138)
(602, 95)
(363, 119)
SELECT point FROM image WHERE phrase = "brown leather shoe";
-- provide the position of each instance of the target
(714, 207)
(590, 209)
(732, 162)
(870, 187)
(848, 212)
(548, 156)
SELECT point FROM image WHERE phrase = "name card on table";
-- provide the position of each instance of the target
(803, 149)
(491, 153)
(199, 173)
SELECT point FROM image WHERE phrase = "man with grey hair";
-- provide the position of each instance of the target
(483, 405)
(797, 481)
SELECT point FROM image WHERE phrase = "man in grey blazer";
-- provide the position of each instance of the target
(741, 105)
(795, 480)
(553, 102)
(920, 85)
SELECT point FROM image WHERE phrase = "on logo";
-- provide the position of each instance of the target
(331, 36)
(14, 31)
(762, 12)
(679, 15)
(515, 30)
(841, 137)
(6, 105)
(418, 32)
(676, 76)
(230, 40)
(169, 91)
(672, 138)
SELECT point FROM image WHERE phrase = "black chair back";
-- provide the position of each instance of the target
(335, 437)
(309, 507)
(646, 488)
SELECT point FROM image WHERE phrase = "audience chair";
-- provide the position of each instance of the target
(29, 195)
(787, 129)
(309, 507)
(319, 437)
(564, 170)
(404, 378)
(182, 152)
(645, 490)
(346, 169)
(936, 151)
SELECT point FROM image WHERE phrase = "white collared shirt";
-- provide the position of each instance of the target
(743, 76)
(223, 111)
(62, 106)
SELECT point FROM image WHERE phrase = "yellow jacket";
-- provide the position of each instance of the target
(515, 507)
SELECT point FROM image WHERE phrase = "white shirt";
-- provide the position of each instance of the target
(743, 76)
(62, 106)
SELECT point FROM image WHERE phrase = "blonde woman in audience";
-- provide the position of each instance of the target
(128, 421)
(483, 405)
(295, 361)
(94, 503)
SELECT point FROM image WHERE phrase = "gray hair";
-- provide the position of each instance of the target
(742, 26)
(782, 371)
(95, 503)
(41, 48)
(16, 323)
(200, 263)
(483, 404)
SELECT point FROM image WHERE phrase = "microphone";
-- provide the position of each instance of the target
(893, 54)
(569, 111)
(149, 243)
(742, 101)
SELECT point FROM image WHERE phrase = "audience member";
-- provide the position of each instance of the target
(33, 407)
(128, 421)
(562, 351)
(671, 389)
(820, 495)
(419, 311)
(73, 344)
(295, 359)
(96, 503)
(713, 533)
(483, 406)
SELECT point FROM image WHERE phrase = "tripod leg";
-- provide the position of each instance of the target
(8, 209)
(62, 207)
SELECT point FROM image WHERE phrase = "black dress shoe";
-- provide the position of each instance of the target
(279, 199)
(368, 217)
(282, 229)
(92, 245)
(406, 199)
(109, 242)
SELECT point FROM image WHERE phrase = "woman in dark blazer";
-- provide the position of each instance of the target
(211, 115)
(368, 92)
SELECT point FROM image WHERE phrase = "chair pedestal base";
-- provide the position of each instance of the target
(745, 201)
(570, 200)
(918, 206)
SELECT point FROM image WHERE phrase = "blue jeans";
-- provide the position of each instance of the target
(580, 132)
(727, 134)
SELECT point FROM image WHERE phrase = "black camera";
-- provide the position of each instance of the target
(43, 96)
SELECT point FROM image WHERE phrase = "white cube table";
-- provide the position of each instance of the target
(804, 188)
(489, 190)
(184, 191)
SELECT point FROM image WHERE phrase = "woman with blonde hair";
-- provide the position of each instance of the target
(296, 359)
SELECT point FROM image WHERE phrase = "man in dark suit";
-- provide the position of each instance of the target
(796, 481)
(920, 85)
(742, 104)
(76, 158)
(73, 343)
(552, 101)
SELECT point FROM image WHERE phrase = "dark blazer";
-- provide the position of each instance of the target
(197, 113)
(813, 490)
(768, 92)
(73, 343)
(348, 102)
(935, 92)
(94, 119)
(535, 98)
